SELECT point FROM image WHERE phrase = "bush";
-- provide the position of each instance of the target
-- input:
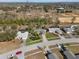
(7, 36)
(34, 36)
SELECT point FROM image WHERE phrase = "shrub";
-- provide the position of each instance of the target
(7, 36)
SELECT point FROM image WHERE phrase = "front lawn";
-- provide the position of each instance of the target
(33, 38)
(30, 41)
(51, 36)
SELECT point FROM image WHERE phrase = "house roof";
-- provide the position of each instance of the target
(22, 35)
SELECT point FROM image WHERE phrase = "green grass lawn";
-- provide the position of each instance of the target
(30, 41)
(51, 36)
(54, 38)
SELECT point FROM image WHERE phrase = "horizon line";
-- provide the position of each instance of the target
(41, 2)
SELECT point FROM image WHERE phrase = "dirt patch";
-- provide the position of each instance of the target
(8, 46)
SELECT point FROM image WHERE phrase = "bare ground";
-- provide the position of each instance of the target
(8, 46)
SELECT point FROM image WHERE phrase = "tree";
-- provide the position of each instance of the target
(73, 19)
(14, 27)
(7, 36)
(45, 9)
(34, 36)
(56, 22)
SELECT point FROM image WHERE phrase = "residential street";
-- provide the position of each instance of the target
(32, 47)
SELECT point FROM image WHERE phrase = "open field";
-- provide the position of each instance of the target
(67, 18)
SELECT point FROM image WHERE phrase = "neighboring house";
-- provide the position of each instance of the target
(22, 35)
(70, 29)
(60, 10)
(74, 27)
(41, 31)
(54, 30)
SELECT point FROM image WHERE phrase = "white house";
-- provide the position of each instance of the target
(22, 35)
(70, 29)
(73, 27)
(54, 30)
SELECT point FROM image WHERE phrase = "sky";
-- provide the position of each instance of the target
(39, 0)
